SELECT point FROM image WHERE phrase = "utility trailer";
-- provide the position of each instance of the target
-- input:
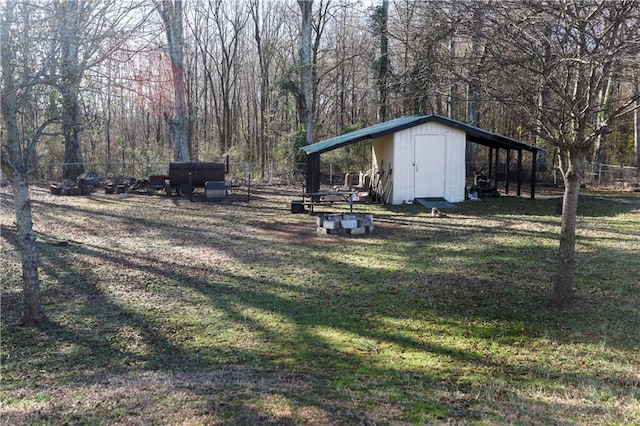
(185, 176)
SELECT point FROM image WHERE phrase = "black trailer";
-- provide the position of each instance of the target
(185, 176)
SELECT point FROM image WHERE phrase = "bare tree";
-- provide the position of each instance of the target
(636, 119)
(587, 40)
(87, 32)
(172, 16)
(47, 47)
(406, 12)
(21, 156)
(424, 33)
(71, 17)
(346, 70)
(306, 67)
(474, 83)
(453, 87)
(474, 77)
(220, 37)
(381, 20)
(229, 21)
(266, 28)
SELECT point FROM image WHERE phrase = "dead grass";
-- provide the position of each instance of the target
(170, 312)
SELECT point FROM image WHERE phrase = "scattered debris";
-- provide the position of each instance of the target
(85, 184)
(89, 179)
(70, 188)
(126, 186)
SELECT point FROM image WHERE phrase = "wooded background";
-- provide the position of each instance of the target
(97, 79)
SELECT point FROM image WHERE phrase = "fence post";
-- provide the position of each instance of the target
(599, 173)
(247, 170)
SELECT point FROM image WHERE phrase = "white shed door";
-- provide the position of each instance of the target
(430, 166)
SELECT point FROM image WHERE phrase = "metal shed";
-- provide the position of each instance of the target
(421, 156)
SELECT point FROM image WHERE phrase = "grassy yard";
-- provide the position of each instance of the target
(170, 312)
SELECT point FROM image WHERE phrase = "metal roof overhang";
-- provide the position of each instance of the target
(474, 134)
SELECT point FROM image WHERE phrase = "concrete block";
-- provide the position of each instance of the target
(364, 222)
(349, 224)
(322, 231)
(358, 231)
(330, 224)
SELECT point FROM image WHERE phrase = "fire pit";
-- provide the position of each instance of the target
(345, 224)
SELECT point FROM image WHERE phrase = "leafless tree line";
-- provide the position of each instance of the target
(110, 71)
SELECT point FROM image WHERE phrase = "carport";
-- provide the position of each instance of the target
(435, 142)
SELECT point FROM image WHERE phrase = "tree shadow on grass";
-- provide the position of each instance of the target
(326, 356)
(443, 230)
(596, 204)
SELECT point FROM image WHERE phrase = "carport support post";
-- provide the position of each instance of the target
(519, 175)
(497, 169)
(506, 171)
(534, 166)
(312, 177)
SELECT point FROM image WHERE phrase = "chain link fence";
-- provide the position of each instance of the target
(596, 174)
(238, 172)
(294, 174)
(606, 175)
(610, 175)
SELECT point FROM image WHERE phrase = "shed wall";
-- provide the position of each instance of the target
(398, 157)
(382, 162)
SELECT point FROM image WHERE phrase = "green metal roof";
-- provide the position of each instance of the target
(474, 134)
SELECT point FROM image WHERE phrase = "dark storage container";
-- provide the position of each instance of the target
(195, 173)
(216, 190)
(297, 206)
(157, 181)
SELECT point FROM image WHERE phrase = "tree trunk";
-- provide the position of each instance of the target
(33, 311)
(264, 60)
(601, 144)
(172, 16)
(180, 119)
(71, 76)
(473, 86)
(383, 70)
(73, 162)
(636, 117)
(604, 117)
(306, 75)
(637, 136)
(572, 166)
(543, 104)
(453, 87)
